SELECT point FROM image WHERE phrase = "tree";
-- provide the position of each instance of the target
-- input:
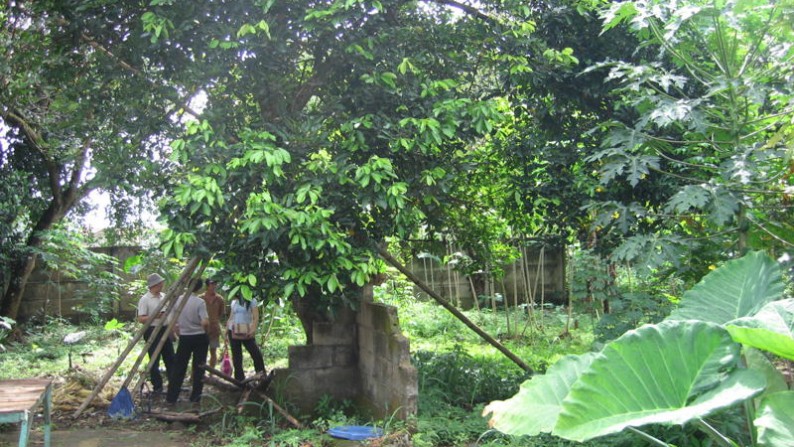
(328, 127)
(707, 130)
(82, 119)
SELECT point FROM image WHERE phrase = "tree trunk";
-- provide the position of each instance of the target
(308, 312)
(19, 279)
(23, 268)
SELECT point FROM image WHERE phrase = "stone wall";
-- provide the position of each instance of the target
(537, 277)
(361, 357)
(51, 294)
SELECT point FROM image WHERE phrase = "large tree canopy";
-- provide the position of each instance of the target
(330, 125)
(294, 134)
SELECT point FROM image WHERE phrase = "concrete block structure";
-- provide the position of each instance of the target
(362, 356)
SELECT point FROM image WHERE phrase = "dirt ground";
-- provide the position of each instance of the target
(140, 432)
(100, 437)
(95, 429)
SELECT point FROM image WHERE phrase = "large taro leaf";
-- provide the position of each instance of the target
(757, 361)
(534, 409)
(669, 373)
(737, 289)
(775, 420)
(771, 329)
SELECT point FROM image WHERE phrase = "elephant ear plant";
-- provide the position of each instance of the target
(703, 358)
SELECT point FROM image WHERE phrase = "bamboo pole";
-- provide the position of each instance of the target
(169, 299)
(109, 373)
(450, 283)
(538, 275)
(507, 307)
(493, 342)
(473, 293)
(174, 317)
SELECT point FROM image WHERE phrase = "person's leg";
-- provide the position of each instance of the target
(178, 370)
(214, 342)
(167, 353)
(237, 358)
(200, 345)
(256, 354)
(154, 372)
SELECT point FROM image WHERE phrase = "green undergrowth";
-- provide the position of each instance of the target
(458, 372)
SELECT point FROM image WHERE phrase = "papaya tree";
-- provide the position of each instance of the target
(707, 127)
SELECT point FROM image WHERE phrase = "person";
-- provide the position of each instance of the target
(216, 309)
(192, 325)
(241, 328)
(147, 305)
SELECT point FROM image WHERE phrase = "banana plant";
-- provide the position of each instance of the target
(705, 357)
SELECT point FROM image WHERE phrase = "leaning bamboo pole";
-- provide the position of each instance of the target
(174, 317)
(109, 373)
(167, 302)
(485, 336)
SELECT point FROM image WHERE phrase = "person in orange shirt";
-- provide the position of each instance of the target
(216, 308)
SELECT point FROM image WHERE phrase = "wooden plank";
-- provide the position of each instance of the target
(21, 394)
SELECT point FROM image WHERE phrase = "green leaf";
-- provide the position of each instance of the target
(737, 289)
(132, 262)
(618, 13)
(771, 329)
(669, 373)
(775, 421)
(688, 198)
(758, 361)
(538, 403)
(113, 325)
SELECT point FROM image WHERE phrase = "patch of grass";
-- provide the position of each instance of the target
(42, 351)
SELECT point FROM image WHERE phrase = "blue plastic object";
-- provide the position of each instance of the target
(122, 407)
(355, 432)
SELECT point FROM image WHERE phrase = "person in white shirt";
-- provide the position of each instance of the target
(146, 315)
(241, 331)
(192, 325)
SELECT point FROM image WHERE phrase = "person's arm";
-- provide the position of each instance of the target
(254, 320)
(143, 312)
(204, 316)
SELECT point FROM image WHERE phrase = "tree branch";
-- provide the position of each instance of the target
(40, 144)
(129, 67)
(470, 10)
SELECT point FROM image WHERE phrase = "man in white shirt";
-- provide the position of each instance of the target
(147, 306)
(192, 325)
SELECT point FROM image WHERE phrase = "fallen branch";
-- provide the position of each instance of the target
(282, 411)
(174, 416)
(223, 376)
